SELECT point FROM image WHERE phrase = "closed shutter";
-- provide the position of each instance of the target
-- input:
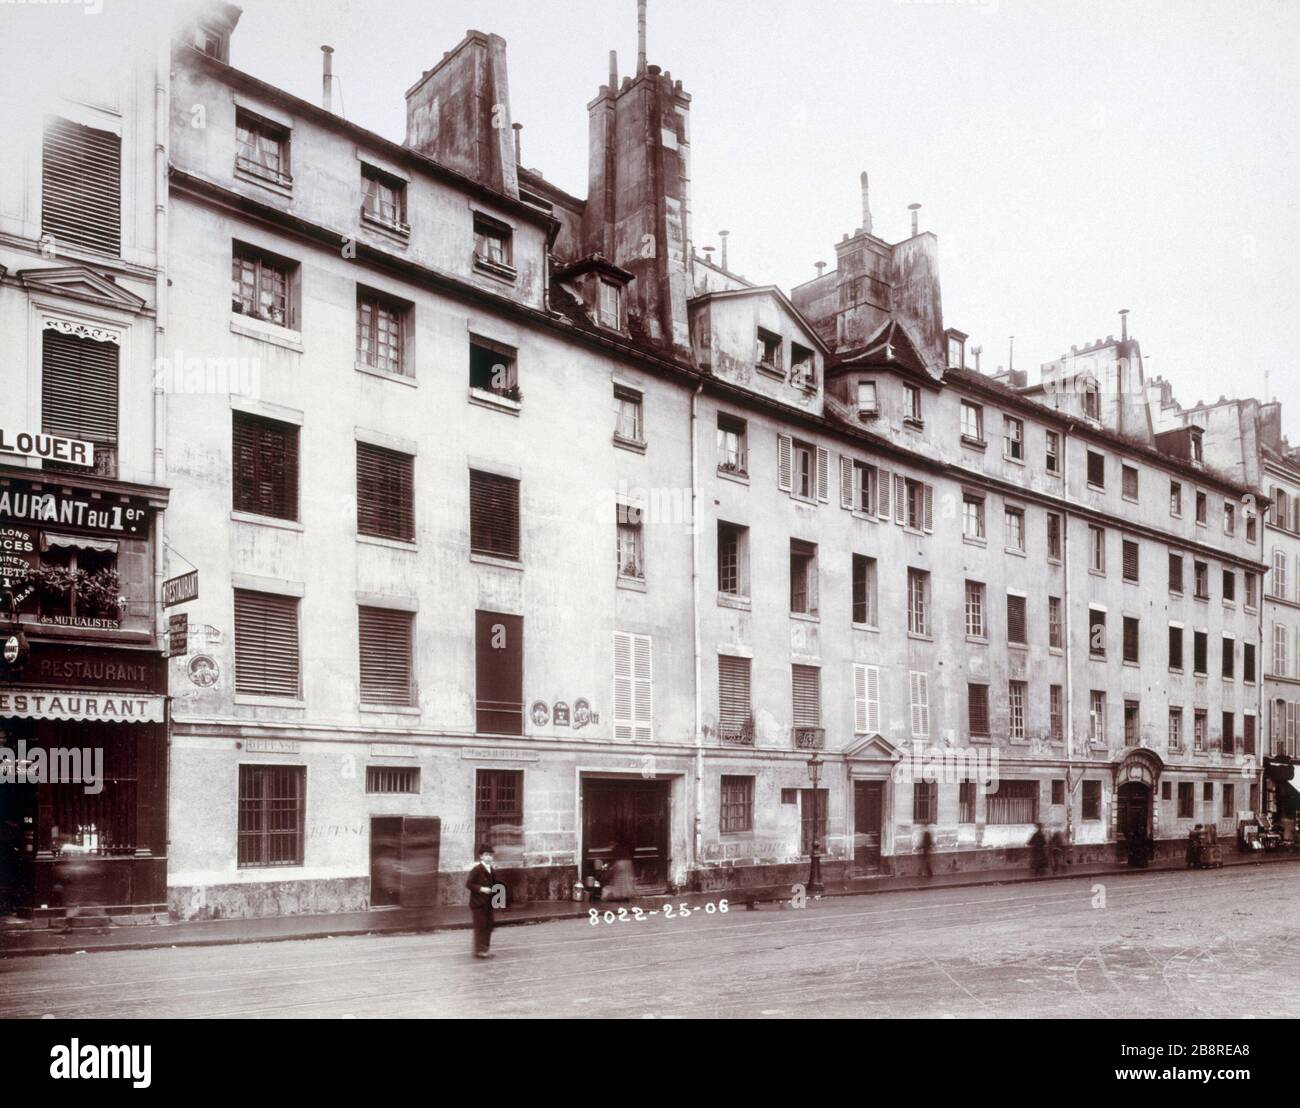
(266, 644)
(1130, 560)
(733, 691)
(883, 481)
(385, 651)
(385, 493)
(1130, 639)
(79, 387)
(493, 514)
(978, 696)
(866, 699)
(1016, 632)
(927, 523)
(633, 673)
(920, 692)
(846, 482)
(1175, 648)
(807, 694)
(784, 462)
(823, 474)
(1199, 651)
(81, 186)
(499, 673)
(900, 499)
(264, 466)
(1175, 573)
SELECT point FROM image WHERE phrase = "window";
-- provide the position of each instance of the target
(1279, 650)
(1129, 482)
(912, 403)
(806, 695)
(1055, 624)
(1248, 662)
(493, 369)
(1176, 573)
(79, 395)
(1132, 725)
(735, 714)
(966, 802)
(1186, 800)
(1097, 717)
(1229, 800)
(767, 351)
(925, 801)
(1176, 648)
(629, 546)
(1097, 547)
(1201, 509)
(919, 691)
(1097, 632)
(864, 590)
(1131, 639)
(266, 644)
(737, 804)
(627, 415)
(1053, 452)
(1280, 514)
(609, 309)
(264, 475)
(384, 780)
(1130, 560)
(1277, 579)
(1016, 707)
(385, 651)
(1013, 438)
(272, 809)
(1201, 572)
(1091, 800)
(920, 505)
(1229, 518)
(1015, 529)
(1091, 401)
(1017, 633)
(1198, 452)
(1013, 802)
(1054, 547)
(499, 809)
(1229, 732)
(1198, 729)
(1096, 469)
(803, 366)
(1252, 585)
(918, 602)
(381, 326)
(633, 701)
(1229, 659)
(868, 400)
(385, 493)
(972, 515)
(1175, 498)
(733, 559)
(1058, 792)
(802, 469)
(972, 422)
(731, 445)
(975, 609)
(262, 286)
(1250, 527)
(493, 243)
(262, 149)
(803, 577)
(383, 199)
(1207, 792)
(1248, 733)
(813, 801)
(498, 673)
(1056, 713)
(1199, 651)
(977, 708)
(213, 43)
(493, 515)
(81, 187)
(858, 486)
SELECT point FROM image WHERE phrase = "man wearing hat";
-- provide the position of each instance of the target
(479, 883)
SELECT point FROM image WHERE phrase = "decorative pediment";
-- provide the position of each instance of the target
(873, 746)
(82, 283)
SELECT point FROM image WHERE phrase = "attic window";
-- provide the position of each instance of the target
(383, 199)
(1091, 401)
(212, 42)
(263, 149)
(610, 306)
(493, 245)
(803, 366)
(868, 402)
(1198, 454)
(768, 351)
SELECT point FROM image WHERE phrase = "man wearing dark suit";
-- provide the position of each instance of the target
(479, 883)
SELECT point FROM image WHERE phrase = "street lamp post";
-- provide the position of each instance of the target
(815, 887)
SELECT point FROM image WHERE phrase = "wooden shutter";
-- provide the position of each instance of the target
(823, 474)
(866, 699)
(883, 481)
(846, 482)
(733, 691)
(385, 493)
(1130, 560)
(633, 677)
(385, 652)
(978, 698)
(81, 186)
(266, 644)
(1175, 648)
(920, 692)
(493, 514)
(499, 673)
(1016, 631)
(784, 463)
(900, 499)
(264, 466)
(79, 387)
(807, 696)
(928, 521)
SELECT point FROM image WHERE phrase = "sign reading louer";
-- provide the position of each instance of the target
(39, 444)
(88, 707)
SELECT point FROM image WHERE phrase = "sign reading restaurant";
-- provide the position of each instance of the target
(71, 510)
(41, 444)
(89, 707)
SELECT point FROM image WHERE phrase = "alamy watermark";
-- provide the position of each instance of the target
(57, 766)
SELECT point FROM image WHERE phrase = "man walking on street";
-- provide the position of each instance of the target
(479, 883)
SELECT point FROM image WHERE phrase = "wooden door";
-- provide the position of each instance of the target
(868, 821)
(627, 817)
(385, 861)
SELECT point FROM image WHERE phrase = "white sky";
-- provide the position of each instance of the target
(1074, 157)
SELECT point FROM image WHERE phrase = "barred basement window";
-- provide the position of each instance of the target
(385, 493)
(499, 809)
(385, 653)
(737, 806)
(810, 801)
(381, 326)
(925, 802)
(272, 807)
(966, 802)
(493, 515)
(1013, 802)
(806, 685)
(81, 187)
(266, 644)
(263, 148)
(977, 699)
(79, 395)
(263, 285)
(264, 480)
(393, 779)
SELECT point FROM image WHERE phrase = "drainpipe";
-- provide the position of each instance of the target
(1067, 631)
(695, 621)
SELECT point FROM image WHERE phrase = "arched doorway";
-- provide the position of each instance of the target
(1133, 810)
(1137, 779)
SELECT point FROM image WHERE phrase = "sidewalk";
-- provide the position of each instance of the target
(21, 939)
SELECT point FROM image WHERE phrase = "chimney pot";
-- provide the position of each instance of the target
(914, 209)
(723, 236)
(819, 266)
(866, 203)
(326, 77)
(640, 37)
(519, 157)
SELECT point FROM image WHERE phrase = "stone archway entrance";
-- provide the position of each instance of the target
(1137, 781)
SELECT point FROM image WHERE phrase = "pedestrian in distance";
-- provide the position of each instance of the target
(1038, 851)
(480, 885)
(927, 849)
(1058, 851)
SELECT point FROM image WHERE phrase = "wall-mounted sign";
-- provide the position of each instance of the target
(177, 590)
(178, 634)
(581, 713)
(203, 671)
(272, 746)
(491, 754)
(17, 554)
(96, 667)
(39, 444)
(541, 713)
(561, 713)
(392, 750)
(90, 707)
(20, 503)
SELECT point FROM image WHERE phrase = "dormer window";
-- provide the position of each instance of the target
(803, 366)
(956, 354)
(767, 351)
(868, 401)
(610, 306)
(912, 405)
(1091, 401)
(383, 199)
(212, 42)
(1198, 454)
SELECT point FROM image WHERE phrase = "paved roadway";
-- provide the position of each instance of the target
(1183, 944)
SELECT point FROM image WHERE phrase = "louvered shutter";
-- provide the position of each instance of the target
(920, 704)
(866, 699)
(493, 514)
(1130, 560)
(823, 474)
(733, 691)
(928, 523)
(79, 387)
(784, 462)
(264, 471)
(900, 499)
(266, 644)
(385, 652)
(642, 675)
(806, 690)
(846, 482)
(385, 493)
(883, 481)
(81, 186)
(873, 699)
(1016, 619)
(623, 693)
(978, 696)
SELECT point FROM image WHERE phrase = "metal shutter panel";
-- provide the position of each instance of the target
(79, 387)
(733, 691)
(81, 186)
(385, 493)
(385, 653)
(493, 514)
(266, 644)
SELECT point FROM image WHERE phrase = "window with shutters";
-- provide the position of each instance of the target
(1096, 469)
(925, 801)
(1017, 625)
(263, 285)
(267, 659)
(1252, 591)
(272, 812)
(920, 505)
(493, 370)
(735, 711)
(1132, 639)
(498, 673)
(383, 199)
(803, 577)
(733, 559)
(864, 590)
(977, 709)
(966, 802)
(1248, 733)
(803, 469)
(737, 804)
(972, 517)
(975, 628)
(919, 690)
(1202, 509)
(1175, 498)
(1229, 732)
(382, 322)
(918, 602)
(1015, 530)
(1016, 696)
(628, 410)
(1056, 713)
(1200, 650)
(1277, 579)
(633, 707)
(1279, 650)
(1248, 663)
(1097, 717)
(1054, 544)
(866, 699)
(1053, 452)
(262, 149)
(806, 684)
(1201, 575)
(972, 423)
(814, 816)
(1090, 803)
(264, 476)
(767, 351)
(1199, 723)
(1012, 802)
(1013, 439)
(81, 187)
(1176, 648)
(385, 493)
(1131, 723)
(732, 452)
(1129, 482)
(1097, 549)
(1130, 552)
(385, 652)
(1055, 624)
(79, 396)
(1229, 669)
(499, 809)
(858, 483)
(1175, 729)
(1097, 632)
(629, 542)
(1176, 573)
(493, 515)
(383, 780)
